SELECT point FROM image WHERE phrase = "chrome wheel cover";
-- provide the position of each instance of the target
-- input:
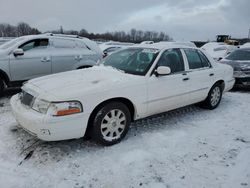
(113, 124)
(215, 96)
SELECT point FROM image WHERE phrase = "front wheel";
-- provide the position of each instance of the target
(1, 87)
(111, 123)
(214, 97)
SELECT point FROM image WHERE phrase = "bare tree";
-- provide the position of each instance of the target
(136, 36)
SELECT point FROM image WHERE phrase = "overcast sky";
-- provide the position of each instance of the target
(181, 19)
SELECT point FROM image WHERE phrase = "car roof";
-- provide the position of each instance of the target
(49, 35)
(162, 46)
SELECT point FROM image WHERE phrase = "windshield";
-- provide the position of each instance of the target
(133, 60)
(240, 55)
(11, 43)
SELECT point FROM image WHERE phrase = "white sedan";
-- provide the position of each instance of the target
(128, 85)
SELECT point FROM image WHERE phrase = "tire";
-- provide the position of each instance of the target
(111, 123)
(1, 87)
(214, 97)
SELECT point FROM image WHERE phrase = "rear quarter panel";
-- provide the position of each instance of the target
(225, 72)
(221, 71)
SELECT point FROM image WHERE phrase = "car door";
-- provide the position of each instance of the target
(200, 75)
(35, 61)
(86, 56)
(64, 54)
(170, 91)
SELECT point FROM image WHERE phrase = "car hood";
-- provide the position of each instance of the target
(240, 65)
(79, 82)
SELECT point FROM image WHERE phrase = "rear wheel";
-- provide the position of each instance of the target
(214, 97)
(111, 123)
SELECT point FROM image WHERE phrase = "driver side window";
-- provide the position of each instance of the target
(37, 43)
(173, 59)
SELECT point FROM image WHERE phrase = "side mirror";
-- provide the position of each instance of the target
(162, 70)
(18, 52)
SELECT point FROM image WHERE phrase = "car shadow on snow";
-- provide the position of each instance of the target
(42, 152)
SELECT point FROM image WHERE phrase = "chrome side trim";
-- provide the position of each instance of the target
(164, 98)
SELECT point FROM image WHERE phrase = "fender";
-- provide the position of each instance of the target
(83, 64)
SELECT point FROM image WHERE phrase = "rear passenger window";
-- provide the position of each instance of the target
(196, 59)
(81, 44)
(205, 62)
(34, 44)
(64, 43)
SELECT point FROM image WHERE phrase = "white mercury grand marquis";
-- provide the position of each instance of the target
(128, 85)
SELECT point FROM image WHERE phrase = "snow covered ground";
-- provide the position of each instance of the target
(185, 148)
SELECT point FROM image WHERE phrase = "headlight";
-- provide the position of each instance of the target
(40, 105)
(65, 108)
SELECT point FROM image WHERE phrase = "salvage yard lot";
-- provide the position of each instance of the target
(189, 147)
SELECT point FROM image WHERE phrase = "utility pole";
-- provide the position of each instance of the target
(249, 34)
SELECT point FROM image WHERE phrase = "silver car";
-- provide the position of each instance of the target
(33, 56)
(240, 61)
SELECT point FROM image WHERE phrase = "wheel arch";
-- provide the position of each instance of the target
(4, 76)
(123, 100)
(222, 83)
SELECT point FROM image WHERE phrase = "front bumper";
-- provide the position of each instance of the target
(47, 127)
(242, 82)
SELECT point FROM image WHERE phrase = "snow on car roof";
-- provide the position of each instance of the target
(184, 43)
(89, 43)
(161, 45)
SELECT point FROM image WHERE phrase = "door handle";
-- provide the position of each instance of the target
(78, 57)
(185, 79)
(45, 59)
(212, 74)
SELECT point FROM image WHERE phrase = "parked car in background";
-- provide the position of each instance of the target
(33, 56)
(218, 50)
(147, 42)
(240, 61)
(246, 45)
(111, 47)
(131, 84)
(182, 43)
